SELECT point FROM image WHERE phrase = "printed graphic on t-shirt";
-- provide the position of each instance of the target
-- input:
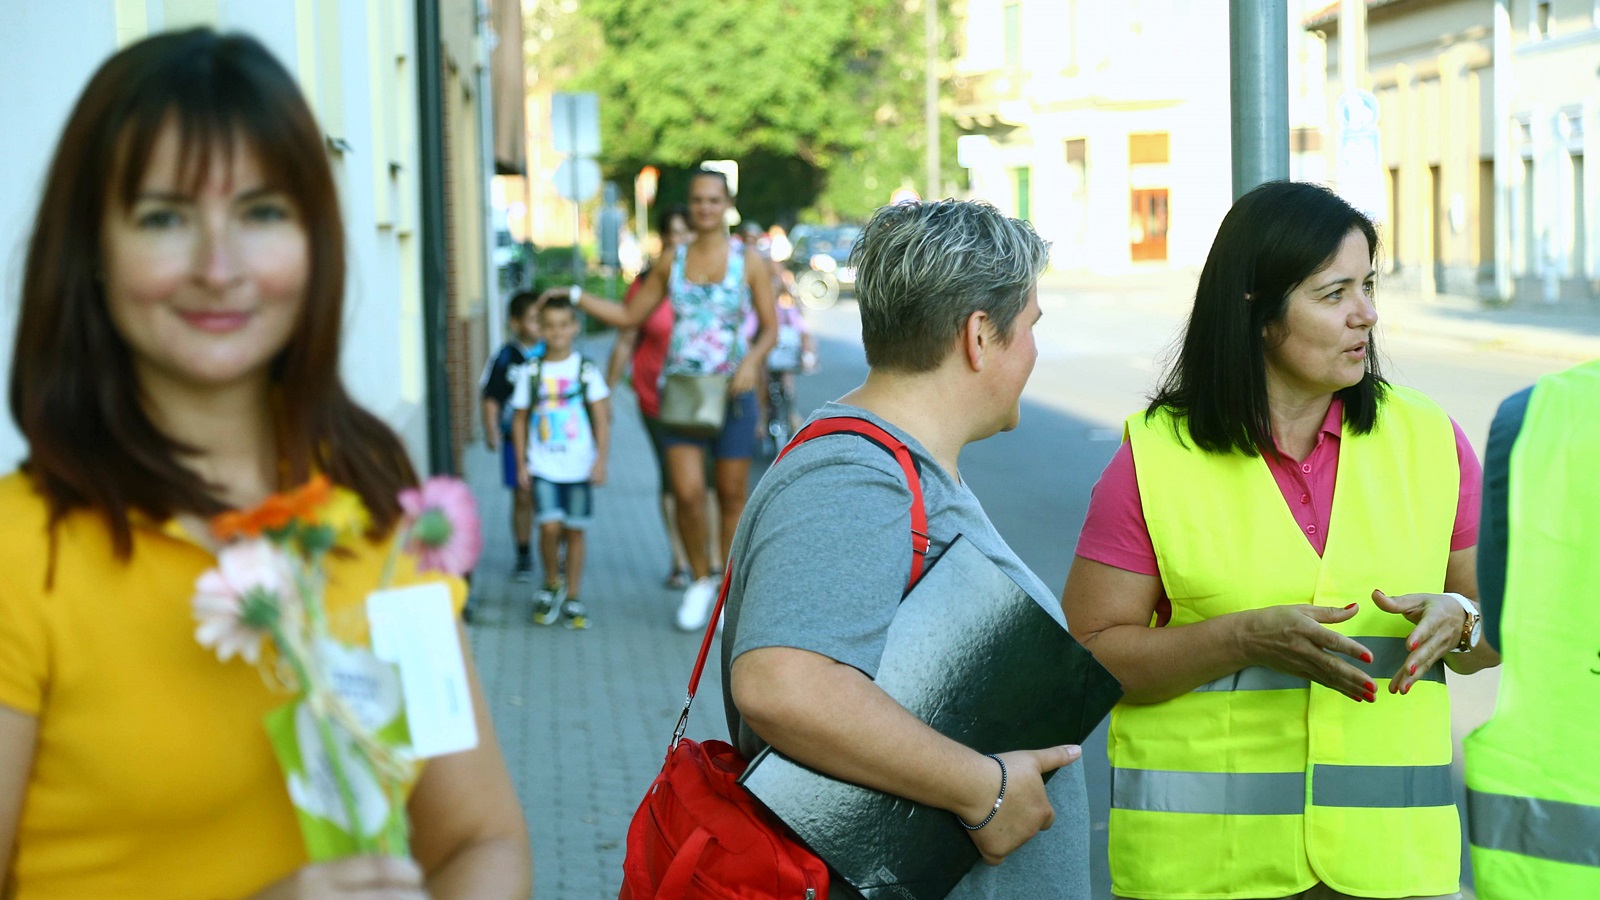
(560, 439)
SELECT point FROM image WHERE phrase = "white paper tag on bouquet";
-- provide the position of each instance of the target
(415, 628)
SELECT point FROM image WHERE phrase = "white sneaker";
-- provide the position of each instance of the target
(698, 600)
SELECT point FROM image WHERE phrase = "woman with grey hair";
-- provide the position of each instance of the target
(948, 302)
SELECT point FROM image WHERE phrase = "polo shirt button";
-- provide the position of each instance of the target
(1311, 529)
(1305, 498)
(1306, 468)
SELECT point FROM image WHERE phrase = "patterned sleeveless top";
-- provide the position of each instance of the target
(707, 335)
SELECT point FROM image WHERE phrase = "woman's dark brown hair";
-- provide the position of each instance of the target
(73, 391)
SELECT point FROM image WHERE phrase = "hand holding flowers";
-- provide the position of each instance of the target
(343, 738)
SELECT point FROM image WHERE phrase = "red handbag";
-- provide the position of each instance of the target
(698, 833)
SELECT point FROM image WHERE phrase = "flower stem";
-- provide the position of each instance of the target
(308, 688)
(387, 577)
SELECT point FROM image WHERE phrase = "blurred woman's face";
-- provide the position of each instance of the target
(677, 232)
(204, 284)
(708, 204)
(1320, 345)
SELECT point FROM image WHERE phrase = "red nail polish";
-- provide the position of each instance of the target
(1371, 687)
(1366, 657)
(1406, 689)
(1371, 697)
(1352, 606)
(1413, 668)
(1412, 645)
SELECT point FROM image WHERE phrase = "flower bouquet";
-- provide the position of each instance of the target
(346, 737)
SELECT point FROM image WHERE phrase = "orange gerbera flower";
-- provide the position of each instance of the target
(275, 512)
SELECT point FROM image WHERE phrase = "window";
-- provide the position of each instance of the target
(1011, 22)
(1150, 148)
(1024, 182)
(1539, 24)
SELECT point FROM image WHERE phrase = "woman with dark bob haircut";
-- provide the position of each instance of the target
(177, 356)
(1274, 564)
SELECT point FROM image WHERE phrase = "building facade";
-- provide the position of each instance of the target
(1487, 112)
(357, 62)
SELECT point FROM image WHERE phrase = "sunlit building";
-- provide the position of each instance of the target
(1486, 187)
(1107, 124)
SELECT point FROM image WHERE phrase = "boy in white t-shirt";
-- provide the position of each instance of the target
(561, 425)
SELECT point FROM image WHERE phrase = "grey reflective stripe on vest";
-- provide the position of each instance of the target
(1388, 787)
(1543, 829)
(1212, 793)
(1280, 793)
(1388, 654)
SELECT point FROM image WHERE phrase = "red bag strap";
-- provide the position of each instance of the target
(920, 541)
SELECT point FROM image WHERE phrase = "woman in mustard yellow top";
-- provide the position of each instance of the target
(176, 357)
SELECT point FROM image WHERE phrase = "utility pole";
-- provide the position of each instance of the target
(1353, 45)
(1259, 64)
(1504, 154)
(930, 96)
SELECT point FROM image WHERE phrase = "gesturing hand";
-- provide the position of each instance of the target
(1293, 639)
(1439, 621)
(1026, 810)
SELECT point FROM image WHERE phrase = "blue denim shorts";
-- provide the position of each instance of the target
(570, 504)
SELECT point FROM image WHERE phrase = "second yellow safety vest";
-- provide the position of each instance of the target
(1533, 772)
(1261, 784)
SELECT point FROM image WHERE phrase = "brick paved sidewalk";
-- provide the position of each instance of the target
(584, 717)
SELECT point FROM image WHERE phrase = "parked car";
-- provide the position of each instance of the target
(821, 263)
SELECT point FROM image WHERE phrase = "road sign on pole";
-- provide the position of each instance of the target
(577, 179)
(575, 124)
(1358, 167)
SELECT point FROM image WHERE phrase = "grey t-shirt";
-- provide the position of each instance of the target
(820, 563)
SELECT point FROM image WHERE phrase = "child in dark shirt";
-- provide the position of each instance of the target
(499, 379)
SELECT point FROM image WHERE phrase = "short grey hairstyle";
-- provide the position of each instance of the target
(923, 269)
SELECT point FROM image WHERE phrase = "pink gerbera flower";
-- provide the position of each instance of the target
(239, 602)
(442, 525)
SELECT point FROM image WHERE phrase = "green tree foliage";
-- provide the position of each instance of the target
(819, 100)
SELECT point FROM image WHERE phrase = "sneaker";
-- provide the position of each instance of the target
(547, 603)
(698, 600)
(573, 616)
(522, 572)
(677, 579)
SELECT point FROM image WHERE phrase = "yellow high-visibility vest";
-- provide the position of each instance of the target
(1261, 784)
(1533, 772)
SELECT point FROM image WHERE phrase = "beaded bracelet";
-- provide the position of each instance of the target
(997, 801)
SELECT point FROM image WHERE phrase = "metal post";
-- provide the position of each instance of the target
(1353, 45)
(435, 299)
(930, 96)
(1504, 153)
(1259, 41)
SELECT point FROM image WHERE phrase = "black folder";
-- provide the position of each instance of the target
(971, 654)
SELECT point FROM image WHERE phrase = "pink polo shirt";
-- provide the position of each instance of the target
(1114, 531)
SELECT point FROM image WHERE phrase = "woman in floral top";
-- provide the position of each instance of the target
(713, 281)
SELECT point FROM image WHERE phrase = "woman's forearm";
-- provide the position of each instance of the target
(491, 869)
(1156, 664)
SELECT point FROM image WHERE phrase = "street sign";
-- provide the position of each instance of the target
(578, 179)
(575, 124)
(1358, 167)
